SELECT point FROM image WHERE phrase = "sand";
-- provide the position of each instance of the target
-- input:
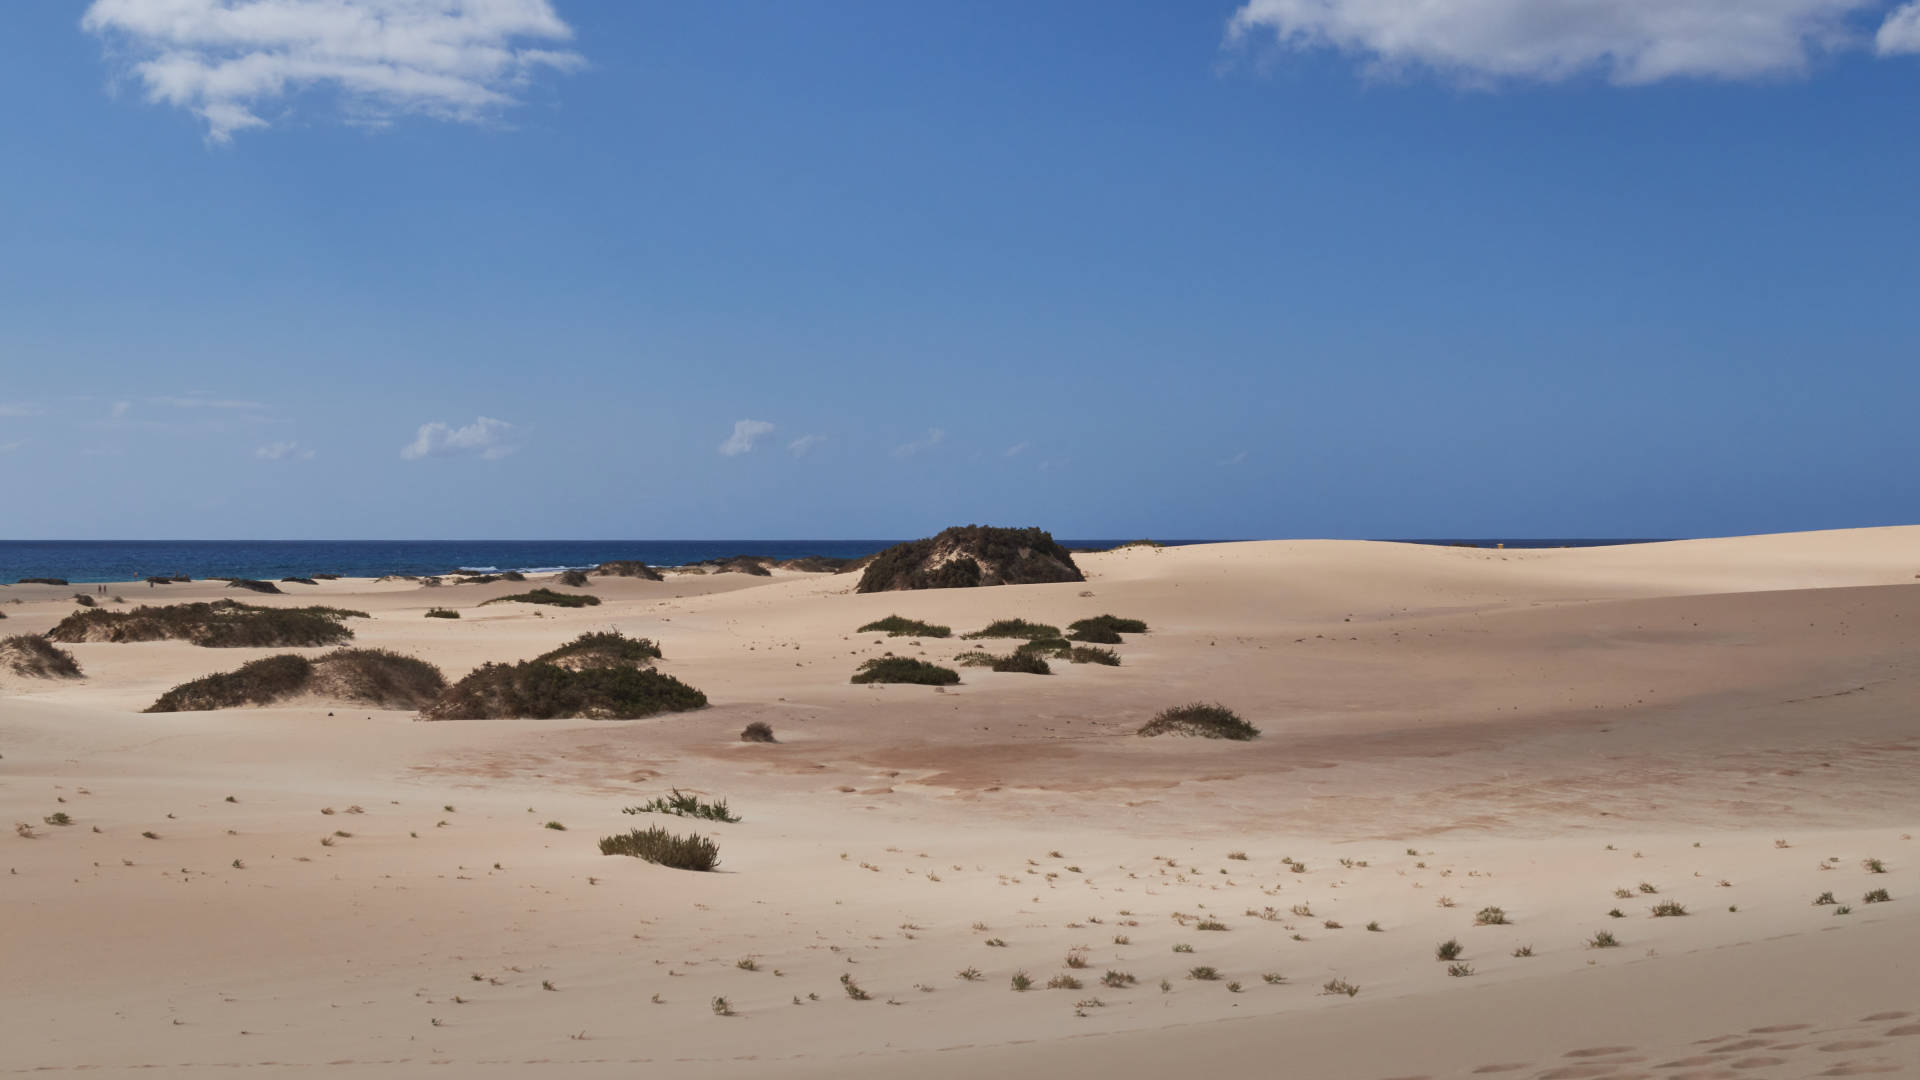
(1728, 723)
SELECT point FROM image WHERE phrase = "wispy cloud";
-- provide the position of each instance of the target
(21, 408)
(485, 437)
(1237, 459)
(745, 434)
(805, 445)
(233, 62)
(1628, 42)
(284, 451)
(1017, 449)
(10, 447)
(934, 437)
(120, 409)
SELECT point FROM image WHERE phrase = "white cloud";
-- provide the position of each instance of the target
(933, 438)
(120, 408)
(1017, 449)
(283, 451)
(229, 61)
(20, 408)
(805, 444)
(1901, 32)
(485, 437)
(745, 434)
(1626, 41)
(1237, 459)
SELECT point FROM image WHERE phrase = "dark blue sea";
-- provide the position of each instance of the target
(130, 560)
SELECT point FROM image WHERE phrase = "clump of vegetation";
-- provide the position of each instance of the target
(43, 581)
(1459, 971)
(1021, 981)
(540, 691)
(1603, 940)
(627, 568)
(37, 658)
(368, 676)
(1022, 663)
(548, 597)
(658, 846)
(1105, 629)
(442, 613)
(602, 648)
(1202, 720)
(251, 585)
(1335, 987)
(1015, 628)
(218, 625)
(299, 580)
(1877, 896)
(83, 599)
(1873, 866)
(572, 579)
(903, 669)
(897, 626)
(680, 804)
(975, 658)
(1668, 908)
(1094, 654)
(1449, 949)
(757, 731)
(1824, 899)
(971, 556)
(1490, 916)
(1059, 648)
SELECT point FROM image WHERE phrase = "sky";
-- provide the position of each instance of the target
(1267, 268)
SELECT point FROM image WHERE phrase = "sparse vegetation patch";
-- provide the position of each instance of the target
(681, 804)
(658, 846)
(548, 597)
(37, 658)
(368, 676)
(217, 625)
(540, 691)
(602, 648)
(897, 626)
(1200, 719)
(903, 669)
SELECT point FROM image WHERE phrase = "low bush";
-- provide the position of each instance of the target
(969, 556)
(442, 613)
(1202, 720)
(1015, 628)
(1095, 635)
(221, 624)
(1023, 664)
(83, 599)
(252, 585)
(37, 658)
(1114, 623)
(43, 581)
(975, 658)
(896, 626)
(758, 731)
(662, 848)
(627, 568)
(540, 691)
(546, 596)
(1093, 654)
(602, 648)
(1058, 648)
(680, 804)
(573, 579)
(300, 580)
(366, 676)
(903, 669)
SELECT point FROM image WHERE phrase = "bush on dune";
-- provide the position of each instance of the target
(657, 845)
(541, 691)
(602, 648)
(1202, 720)
(970, 556)
(896, 626)
(902, 669)
(300, 580)
(1058, 648)
(633, 568)
(250, 584)
(43, 581)
(221, 624)
(576, 579)
(1015, 628)
(546, 596)
(36, 657)
(1093, 654)
(364, 676)
(757, 731)
(442, 613)
(1104, 629)
(1022, 663)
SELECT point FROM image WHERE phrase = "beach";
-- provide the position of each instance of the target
(1500, 749)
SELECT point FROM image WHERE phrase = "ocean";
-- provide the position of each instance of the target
(130, 560)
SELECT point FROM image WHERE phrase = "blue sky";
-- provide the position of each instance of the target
(512, 268)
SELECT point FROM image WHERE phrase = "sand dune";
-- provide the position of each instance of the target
(1728, 723)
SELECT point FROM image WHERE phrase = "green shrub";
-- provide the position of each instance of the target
(682, 805)
(627, 568)
(538, 691)
(36, 657)
(975, 658)
(1022, 663)
(1113, 623)
(1200, 719)
(1877, 896)
(572, 579)
(442, 613)
(1095, 635)
(1449, 949)
(1093, 654)
(896, 626)
(43, 581)
(299, 580)
(965, 557)
(902, 669)
(250, 584)
(546, 596)
(83, 599)
(658, 846)
(757, 731)
(222, 624)
(1015, 628)
(367, 676)
(601, 648)
(1058, 648)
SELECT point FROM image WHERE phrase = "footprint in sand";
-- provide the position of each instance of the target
(1777, 1028)
(1848, 1044)
(1500, 1067)
(1885, 1016)
(1598, 1051)
(1757, 1062)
